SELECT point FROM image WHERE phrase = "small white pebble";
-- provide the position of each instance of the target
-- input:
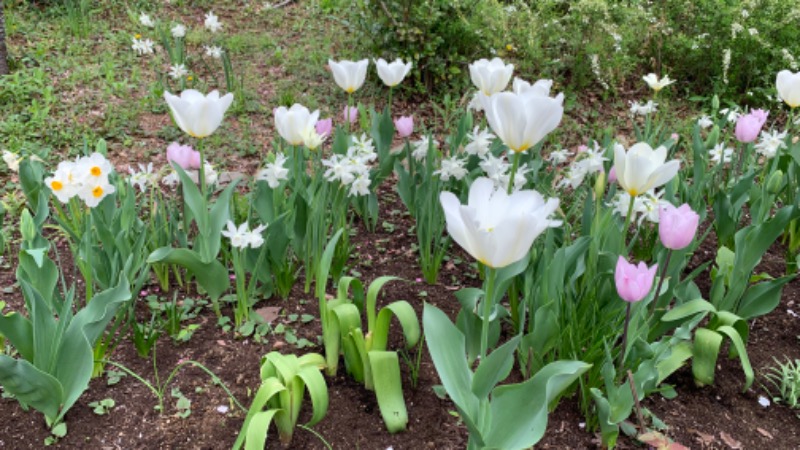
(763, 401)
(222, 409)
(792, 313)
(582, 425)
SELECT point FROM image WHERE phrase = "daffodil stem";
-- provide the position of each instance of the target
(661, 281)
(624, 337)
(514, 167)
(488, 302)
(628, 217)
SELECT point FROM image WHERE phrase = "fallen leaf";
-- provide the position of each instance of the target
(764, 433)
(732, 443)
(221, 342)
(704, 439)
(269, 313)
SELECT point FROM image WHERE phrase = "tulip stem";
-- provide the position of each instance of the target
(624, 337)
(201, 178)
(389, 105)
(628, 217)
(661, 281)
(488, 301)
(512, 177)
(348, 117)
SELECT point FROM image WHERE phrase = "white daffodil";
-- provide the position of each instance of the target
(452, 167)
(254, 238)
(178, 71)
(788, 85)
(146, 20)
(392, 73)
(480, 141)
(212, 22)
(293, 123)
(178, 31)
(720, 152)
(64, 183)
(495, 228)
(770, 143)
(655, 83)
(490, 77)
(559, 156)
(93, 168)
(705, 122)
(239, 236)
(12, 160)
(142, 177)
(359, 186)
(420, 148)
(142, 46)
(94, 191)
(641, 168)
(213, 51)
(196, 114)
(274, 172)
(349, 75)
(522, 120)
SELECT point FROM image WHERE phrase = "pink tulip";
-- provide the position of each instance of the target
(748, 126)
(634, 282)
(612, 175)
(183, 155)
(324, 127)
(350, 114)
(674, 137)
(404, 125)
(677, 226)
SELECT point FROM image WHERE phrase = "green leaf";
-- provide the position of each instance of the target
(256, 423)
(31, 386)
(212, 276)
(408, 322)
(705, 352)
(19, 332)
(317, 390)
(385, 368)
(762, 298)
(372, 298)
(519, 411)
(688, 309)
(736, 339)
(495, 368)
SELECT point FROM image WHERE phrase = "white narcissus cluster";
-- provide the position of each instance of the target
(242, 237)
(480, 141)
(770, 143)
(86, 178)
(497, 229)
(274, 172)
(143, 177)
(352, 169)
(196, 114)
(588, 161)
(349, 75)
(645, 207)
(498, 170)
(452, 167)
(641, 168)
(294, 124)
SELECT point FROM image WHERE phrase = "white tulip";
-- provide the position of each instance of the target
(641, 168)
(293, 123)
(495, 228)
(655, 83)
(349, 75)
(196, 114)
(788, 85)
(523, 120)
(393, 73)
(490, 77)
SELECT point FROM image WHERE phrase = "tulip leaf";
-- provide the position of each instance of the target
(212, 275)
(495, 368)
(408, 323)
(19, 331)
(31, 386)
(762, 298)
(679, 354)
(317, 390)
(688, 309)
(372, 299)
(705, 352)
(254, 431)
(736, 339)
(522, 408)
(385, 368)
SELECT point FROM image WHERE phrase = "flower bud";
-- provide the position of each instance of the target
(715, 103)
(775, 182)
(713, 137)
(600, 184)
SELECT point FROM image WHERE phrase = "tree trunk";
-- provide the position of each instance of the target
(3, 49)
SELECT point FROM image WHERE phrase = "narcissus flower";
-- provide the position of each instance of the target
(523, 120)
(633, 282)
(641, 168)
(655, 83)
(349, 75)
(196, 114)
(392, 73)
(495, 228)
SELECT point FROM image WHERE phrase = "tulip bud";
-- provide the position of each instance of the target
(677, 226)
(775, 182)
(715, 103)
(633, 282)
(600, 184)
(404, 125)
(749, 125)
(324, 127)
(350, 114)
(713, 137)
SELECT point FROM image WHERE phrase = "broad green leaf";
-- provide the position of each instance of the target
(679, 354)
(372, 299)
(519, 411)
(736, 339)
(268, 389)
(31, 386)
(385, 369)
(762, 298)
(19, 332)
(212, 276)
(688, 309)
(257, 429)
(495, 368)
(705, 352)
(317, 391)
(408, 323)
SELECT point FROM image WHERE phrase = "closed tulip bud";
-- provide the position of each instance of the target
(324, 127)
(350, 114)
(677, 226)
(600, 184)
(404, 126)
(349, 75)
(392, 73)
(612, 175)
(715, 103)
(749, 126)
(775, 182)
(633, 282)
(184, 156)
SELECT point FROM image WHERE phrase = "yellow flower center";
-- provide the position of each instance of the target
(97, 192)
(189, 78)
(56, 185)
(95, 171)
(137, 36)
